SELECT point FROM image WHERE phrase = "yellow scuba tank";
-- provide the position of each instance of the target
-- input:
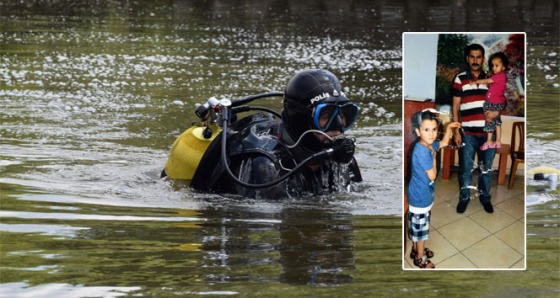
(187, 151)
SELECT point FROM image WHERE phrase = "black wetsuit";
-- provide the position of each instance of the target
(258, 154)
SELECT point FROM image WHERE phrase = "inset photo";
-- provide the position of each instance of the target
(464, 151)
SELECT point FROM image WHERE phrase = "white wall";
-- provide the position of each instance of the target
(420, 58)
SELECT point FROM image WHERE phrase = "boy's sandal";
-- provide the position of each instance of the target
(414, 253)
(424, 263)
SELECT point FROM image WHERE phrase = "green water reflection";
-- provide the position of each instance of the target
(246, 251)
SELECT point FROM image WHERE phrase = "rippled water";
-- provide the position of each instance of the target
(93, 95)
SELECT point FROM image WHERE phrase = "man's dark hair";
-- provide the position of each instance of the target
(473, 46)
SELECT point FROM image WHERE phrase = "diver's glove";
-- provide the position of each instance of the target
(343, 150)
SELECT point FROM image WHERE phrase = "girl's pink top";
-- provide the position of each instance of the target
(497, 89)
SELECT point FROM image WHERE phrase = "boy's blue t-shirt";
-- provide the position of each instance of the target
(420, 187)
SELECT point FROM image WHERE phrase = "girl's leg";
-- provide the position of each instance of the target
(489, 138)
(489, 128)
(498, 143)
(498, 126)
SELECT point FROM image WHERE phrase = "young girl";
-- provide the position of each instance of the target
(495, 99)
(421, 185)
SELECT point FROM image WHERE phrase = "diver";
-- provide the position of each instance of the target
(305, 152)
(546, 174)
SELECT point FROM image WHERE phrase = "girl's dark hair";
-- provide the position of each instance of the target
(418, 117)
(501, 56)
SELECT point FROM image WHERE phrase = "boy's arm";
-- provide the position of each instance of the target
(448, 134)
(432, 173)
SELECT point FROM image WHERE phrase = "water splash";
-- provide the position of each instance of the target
(341, 177)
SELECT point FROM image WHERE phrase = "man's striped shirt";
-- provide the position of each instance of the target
(472, 100)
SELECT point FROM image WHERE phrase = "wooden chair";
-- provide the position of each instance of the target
(449, 161)
(517, 149)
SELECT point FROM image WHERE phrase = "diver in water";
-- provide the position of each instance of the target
(307, 145)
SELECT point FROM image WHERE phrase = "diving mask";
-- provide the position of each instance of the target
(331, 116)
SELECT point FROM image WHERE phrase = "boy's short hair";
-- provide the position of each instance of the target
(418, 117)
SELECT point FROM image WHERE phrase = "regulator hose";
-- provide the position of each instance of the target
(225, 119)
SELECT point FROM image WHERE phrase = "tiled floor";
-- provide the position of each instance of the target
(476, 239)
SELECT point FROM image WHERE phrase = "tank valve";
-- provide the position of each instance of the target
(207, 132)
